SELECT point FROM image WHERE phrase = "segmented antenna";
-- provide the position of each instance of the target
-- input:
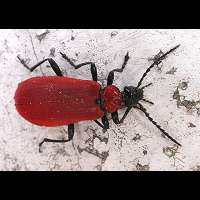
(156, 62)
(155, 123)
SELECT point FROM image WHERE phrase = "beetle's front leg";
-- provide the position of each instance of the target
(110, 78)
(93, 68)
(70, 137)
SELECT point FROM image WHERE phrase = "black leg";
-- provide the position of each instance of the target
(70, 137)
(110, 78)
(105, 122)
(52, 63)
(93, 68)
(115, 117)
(125, 114)
(156, 62)
(155, 123)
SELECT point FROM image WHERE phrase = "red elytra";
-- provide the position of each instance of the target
(56, 101)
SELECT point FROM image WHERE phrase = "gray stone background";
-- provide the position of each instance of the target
(134, 145)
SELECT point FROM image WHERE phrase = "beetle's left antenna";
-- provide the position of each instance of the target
(156, 62)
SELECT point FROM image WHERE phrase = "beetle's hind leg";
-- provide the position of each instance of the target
(52, 63)
(93, 68)
(70, 137)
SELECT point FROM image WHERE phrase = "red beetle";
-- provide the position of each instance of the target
(57, 100)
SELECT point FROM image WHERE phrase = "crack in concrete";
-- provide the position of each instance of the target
(7, 47)
(137, 137)
(103, 156)
(31, 39)
(191, 125)
(94, 135)
(52, 52)
(140, 167)
(171, 152)
(172, 71)
(181, 101)
(91, 150)
(34, 51)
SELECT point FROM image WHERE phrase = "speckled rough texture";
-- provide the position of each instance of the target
(134, 145)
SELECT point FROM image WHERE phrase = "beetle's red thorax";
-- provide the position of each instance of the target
(111, 98)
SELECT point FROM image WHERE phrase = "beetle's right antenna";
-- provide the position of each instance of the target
(155, 123)
(156, 62)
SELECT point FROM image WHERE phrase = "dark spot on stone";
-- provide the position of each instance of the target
(137, 137)
(106, 62)
(156, 57)
(191, 125)
(176, 94)
(41, 36)
(181, 101)
(140, 167)
(113, 34)
(52, 52)
(172, 71)
(196, 168)
(99, 167)
(198, 111)
(183, 85)
(170, 151)
(145, 152)
(103, 156)
(188, 104)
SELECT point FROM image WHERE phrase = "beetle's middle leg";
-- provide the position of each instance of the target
(93, 68)
(105, 122)
(70, 137)
(115, 116)
(52, 63)
(110, 78)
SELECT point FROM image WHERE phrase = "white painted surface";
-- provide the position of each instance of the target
(134, 145)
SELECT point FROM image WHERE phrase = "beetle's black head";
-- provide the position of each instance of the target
(132, 95)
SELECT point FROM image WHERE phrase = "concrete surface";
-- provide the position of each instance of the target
(134, 145)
